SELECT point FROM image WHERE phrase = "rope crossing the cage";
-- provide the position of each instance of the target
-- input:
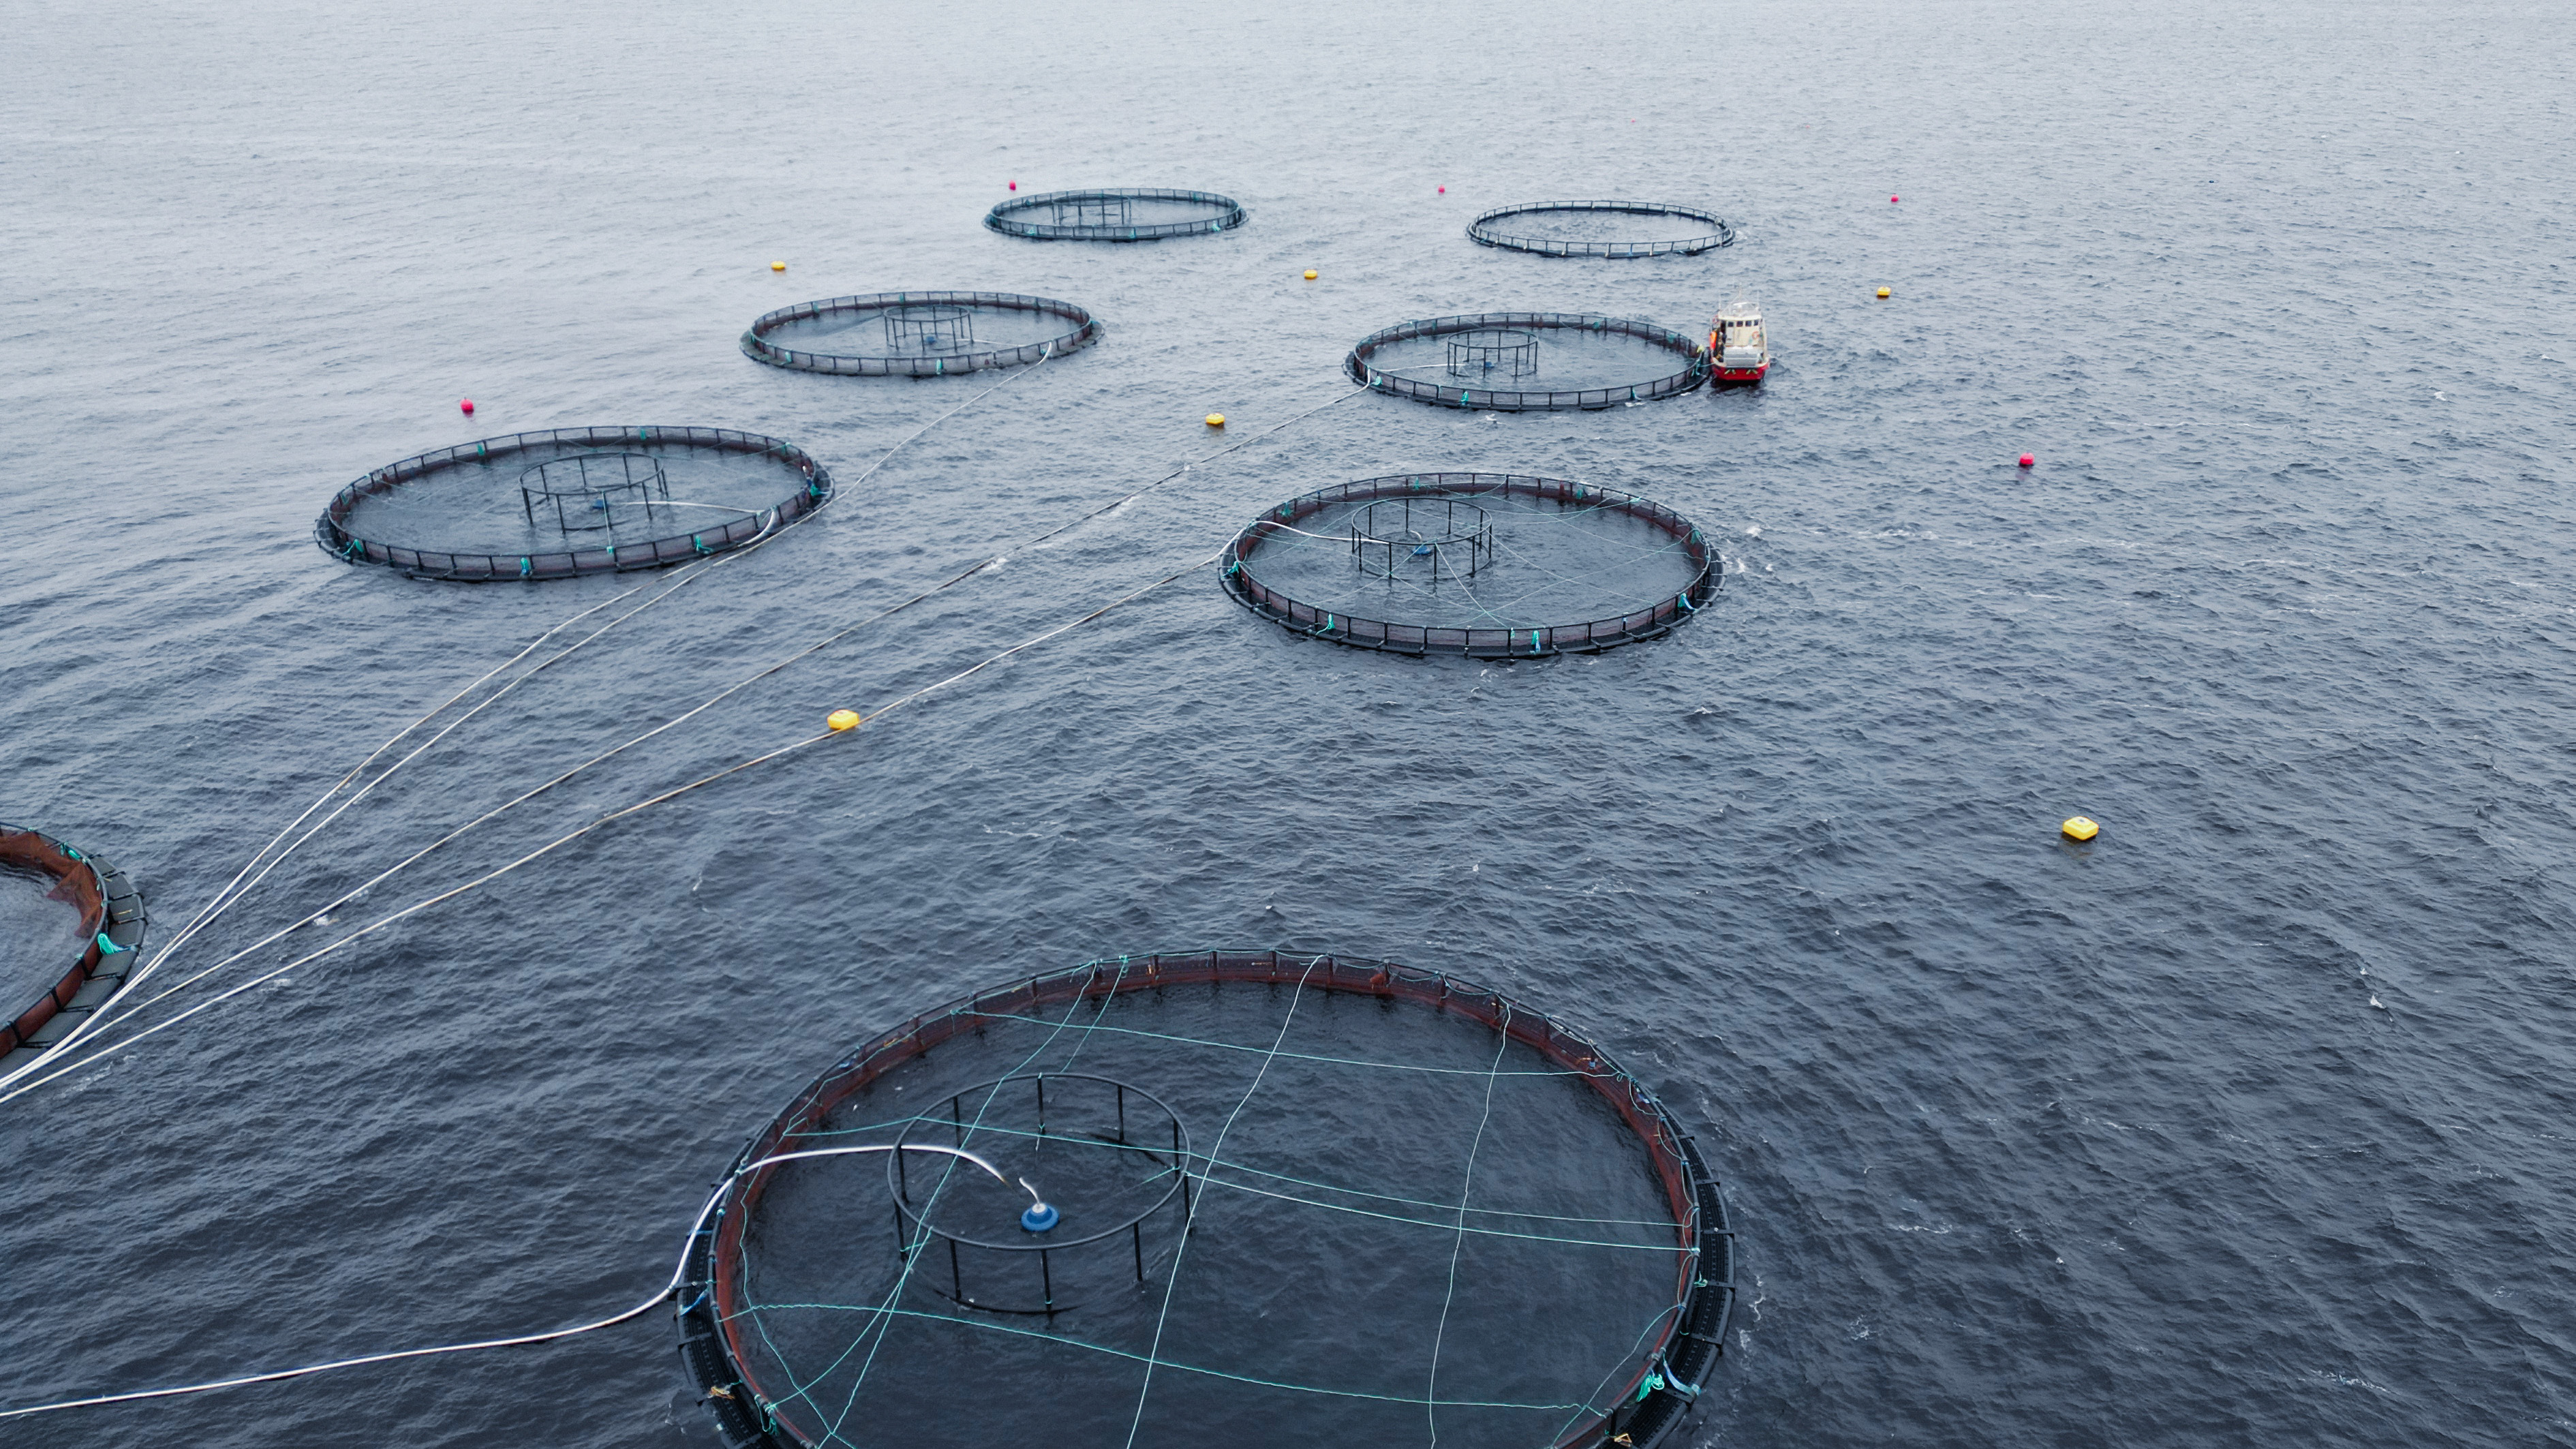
(13, 1086)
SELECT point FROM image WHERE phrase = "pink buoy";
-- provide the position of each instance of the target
(2027, 460)
(467, 407)
(1891, 201)
(1444, 191)
(1015, 186)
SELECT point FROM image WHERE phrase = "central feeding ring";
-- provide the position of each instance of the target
(1405, 537)
(1092, 1161)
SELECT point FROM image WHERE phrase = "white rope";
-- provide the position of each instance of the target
(11, 1087)
(130, 1007)
(678, 1275)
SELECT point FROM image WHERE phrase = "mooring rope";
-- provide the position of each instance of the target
(12, 1087)
(235, 889)
(679, 1275)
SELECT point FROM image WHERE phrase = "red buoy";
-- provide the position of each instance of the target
(1891, 201)
(467, 407)
(2027, 460)
(1015, 186)
(1444, 191)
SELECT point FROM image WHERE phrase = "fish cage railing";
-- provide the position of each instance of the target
(331, 530)
(1522, 642)
(1362, 371)
(1484, 232)
(1004, 217)
(112, 923)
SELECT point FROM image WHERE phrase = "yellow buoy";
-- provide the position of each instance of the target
(1310, 274)
(2080, 828)
(1216, 420)
(1883, 292)
(778, 266)
(843, 719)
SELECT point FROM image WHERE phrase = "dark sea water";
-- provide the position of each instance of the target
(2247, 1123)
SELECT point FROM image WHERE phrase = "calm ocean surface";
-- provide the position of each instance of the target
(2248, 1123)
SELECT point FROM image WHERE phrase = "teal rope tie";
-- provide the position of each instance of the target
(482, 452)
(525, 568)
(1685, 602)
(1233, 566)
(354, 549)
(699, 544)
(1533, 641)
(107, 947)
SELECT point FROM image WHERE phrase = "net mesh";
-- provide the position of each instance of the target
(1626, 567)
(1411, 1206)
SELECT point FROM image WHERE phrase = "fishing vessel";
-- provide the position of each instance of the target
(1737, 352)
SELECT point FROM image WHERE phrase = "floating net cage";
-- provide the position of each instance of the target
(919, 334)
(71, 927)
(590, 500)
(1143, 214)
(1602, 229)
(1335, 564)
(1214, 1198)
(1592, 361)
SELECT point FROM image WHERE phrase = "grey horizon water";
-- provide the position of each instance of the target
(2031, 1144)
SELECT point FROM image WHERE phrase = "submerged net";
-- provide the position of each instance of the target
(1139, 214)
(1602, 229)
(572, 501)
(1528, 361)
(69, 926)
(1302, 1200)
(1395, 563)
(919, 334)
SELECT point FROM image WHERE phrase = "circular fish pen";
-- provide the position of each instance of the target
(71, 928)
(919, 334)
(1600, 229)
(1492, 360)
(1142, 214)
(1379, 564)
(572, 501)
(1216, 1197)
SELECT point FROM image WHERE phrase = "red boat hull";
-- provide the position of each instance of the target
(1738, 374)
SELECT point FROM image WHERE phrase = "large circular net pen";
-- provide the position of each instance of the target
(1474, 564)
(1142, 214)
(572, 501)
(919, 334)
(71, 927)
(1213, 1199)
(1528, 361)
(1602, 229)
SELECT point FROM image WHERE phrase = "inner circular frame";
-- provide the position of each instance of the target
(1492, 230)
(1085, 329)
(331, 532)
(1010, 219)
(1645, 1408)
(1037, 1243)
(1516, 642)
(1692, 352)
